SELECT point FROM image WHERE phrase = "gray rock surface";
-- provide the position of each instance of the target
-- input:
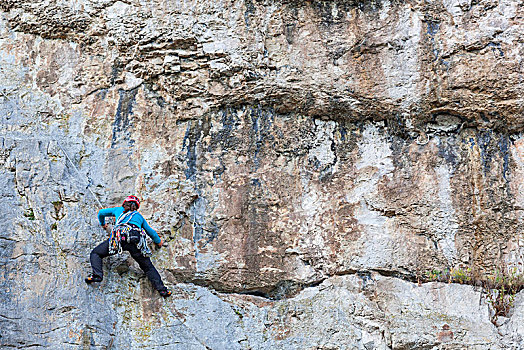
(307, 162)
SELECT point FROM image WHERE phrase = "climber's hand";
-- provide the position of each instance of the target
(159, 245)
(104, 226)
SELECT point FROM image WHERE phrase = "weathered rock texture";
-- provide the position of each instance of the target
(306, 161)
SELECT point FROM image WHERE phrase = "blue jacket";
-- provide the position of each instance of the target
(137, 219)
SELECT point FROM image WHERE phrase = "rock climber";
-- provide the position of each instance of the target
(126, 235)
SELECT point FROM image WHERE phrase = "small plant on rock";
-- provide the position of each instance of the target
(501, 288)
(461, 276)
(433, 275)
(30, 214)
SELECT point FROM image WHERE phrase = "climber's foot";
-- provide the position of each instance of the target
(93, 278)
(165, 293)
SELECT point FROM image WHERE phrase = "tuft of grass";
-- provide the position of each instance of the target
(458, 275)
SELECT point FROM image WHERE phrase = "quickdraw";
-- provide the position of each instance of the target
(142, 245)
(114, 242)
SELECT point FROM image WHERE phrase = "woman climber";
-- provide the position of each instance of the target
(127, 235)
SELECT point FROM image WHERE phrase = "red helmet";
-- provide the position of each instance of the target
(132, 199)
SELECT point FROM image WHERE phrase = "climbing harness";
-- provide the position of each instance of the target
(126, 232)
(120, 232)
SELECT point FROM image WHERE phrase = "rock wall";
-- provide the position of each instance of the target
(306, 161)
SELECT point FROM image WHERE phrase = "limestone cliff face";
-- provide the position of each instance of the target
(307, 162)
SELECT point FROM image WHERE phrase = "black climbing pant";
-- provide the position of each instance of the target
(102, 251)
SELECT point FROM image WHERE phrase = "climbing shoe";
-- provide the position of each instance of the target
(93, 278)
(165, 293)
